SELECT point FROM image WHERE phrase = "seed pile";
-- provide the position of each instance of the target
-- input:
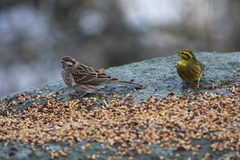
(174, 121)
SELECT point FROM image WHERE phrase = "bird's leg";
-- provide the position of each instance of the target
(198, 83)
(184, 84)
(80, 96)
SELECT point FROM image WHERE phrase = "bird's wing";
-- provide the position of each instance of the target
(102, 78)
(202, 66)
(88, 75)
(84, 74)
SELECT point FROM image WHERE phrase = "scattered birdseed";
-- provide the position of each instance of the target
(174, 121)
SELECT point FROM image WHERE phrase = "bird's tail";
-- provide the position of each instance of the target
(138, 86)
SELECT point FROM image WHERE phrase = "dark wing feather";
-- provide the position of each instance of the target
(84, 74)
(202, 66)
(101, 78)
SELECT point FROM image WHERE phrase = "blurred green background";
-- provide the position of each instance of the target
(34, 34)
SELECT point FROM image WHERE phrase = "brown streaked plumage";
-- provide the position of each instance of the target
(86, 79)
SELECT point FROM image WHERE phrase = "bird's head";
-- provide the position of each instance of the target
(186, 55)
(67, 62)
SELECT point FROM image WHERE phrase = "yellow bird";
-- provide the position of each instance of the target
(189, 68)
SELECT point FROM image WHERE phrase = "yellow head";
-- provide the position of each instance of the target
(186, 55)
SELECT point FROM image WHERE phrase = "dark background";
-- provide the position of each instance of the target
(34, 34)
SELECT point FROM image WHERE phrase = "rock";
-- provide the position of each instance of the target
(161, 85)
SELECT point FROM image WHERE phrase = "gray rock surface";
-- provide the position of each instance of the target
(159, 78)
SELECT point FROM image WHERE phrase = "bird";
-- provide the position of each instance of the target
(86, 79)
(188, 67)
